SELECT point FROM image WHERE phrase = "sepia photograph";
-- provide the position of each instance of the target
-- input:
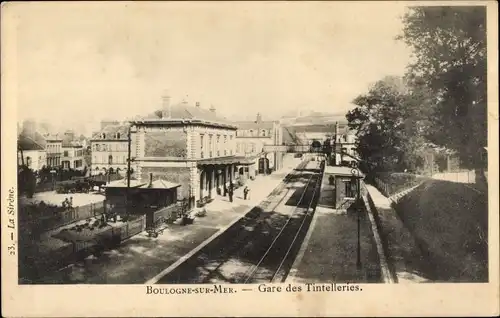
(209, 147)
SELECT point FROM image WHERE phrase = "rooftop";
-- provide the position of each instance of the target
(112, 132)
(343, 171)
(28, 143)
(184, 112)
(134, 183)
(254, 125)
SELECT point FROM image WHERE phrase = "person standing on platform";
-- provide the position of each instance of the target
(245, 192)
(230, 192)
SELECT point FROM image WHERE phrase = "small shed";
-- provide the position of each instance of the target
(339, 188)
(142, 196)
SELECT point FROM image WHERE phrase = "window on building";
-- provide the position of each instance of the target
(202, 141)
(251, 132)
(263, 132)
(110, 159)
(117, 135)
(66, 153)
(210, 141)
(350, 189)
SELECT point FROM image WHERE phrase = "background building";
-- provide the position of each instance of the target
(251, 137)
(72, 152)
(31, 146)
(110, 149)
(31, 152)
(345, 145)
(54, 150)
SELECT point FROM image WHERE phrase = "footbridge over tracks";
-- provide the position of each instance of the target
(290, 148)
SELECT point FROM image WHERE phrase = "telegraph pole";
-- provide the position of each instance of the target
(129, 137)
(335, 145)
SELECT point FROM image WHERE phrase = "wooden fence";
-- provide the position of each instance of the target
(392, 183)
(170, 213)
(47, 223)
(42, 261)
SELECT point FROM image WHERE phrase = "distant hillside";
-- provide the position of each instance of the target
(314, 118)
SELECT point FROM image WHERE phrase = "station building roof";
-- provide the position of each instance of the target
(134, 183)
(343, 171)
(187, 114)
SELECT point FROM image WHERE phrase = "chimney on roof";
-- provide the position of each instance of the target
(198, 104)
(166, 110)
(259, 118)
(212, 109)
(150, 184)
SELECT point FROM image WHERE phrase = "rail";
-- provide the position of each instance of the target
(318, 182)
(250, 274)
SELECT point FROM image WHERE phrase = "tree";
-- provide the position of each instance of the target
(26, 181)
(315, 145)
(159, 113)
(387, 122)
(327, 147)
(449, 45)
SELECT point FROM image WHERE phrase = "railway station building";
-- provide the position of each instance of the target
(186, 145)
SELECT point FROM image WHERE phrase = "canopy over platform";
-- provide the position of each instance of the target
(222, 161)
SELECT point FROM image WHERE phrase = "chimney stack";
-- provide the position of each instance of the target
(259, 118)
(198, 104)
(150, 184)
(212, 109)
(166, 109)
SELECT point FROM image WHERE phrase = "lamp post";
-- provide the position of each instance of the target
(356, 176)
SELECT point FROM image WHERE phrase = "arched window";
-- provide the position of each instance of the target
(98, 147)
(117, 135)
(28, 161)
(110, 159)
(263, 132)
(103, 136)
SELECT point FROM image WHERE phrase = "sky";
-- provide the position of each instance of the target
(79, 63)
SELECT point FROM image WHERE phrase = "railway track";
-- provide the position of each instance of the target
(245, 251)
(286, 244)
